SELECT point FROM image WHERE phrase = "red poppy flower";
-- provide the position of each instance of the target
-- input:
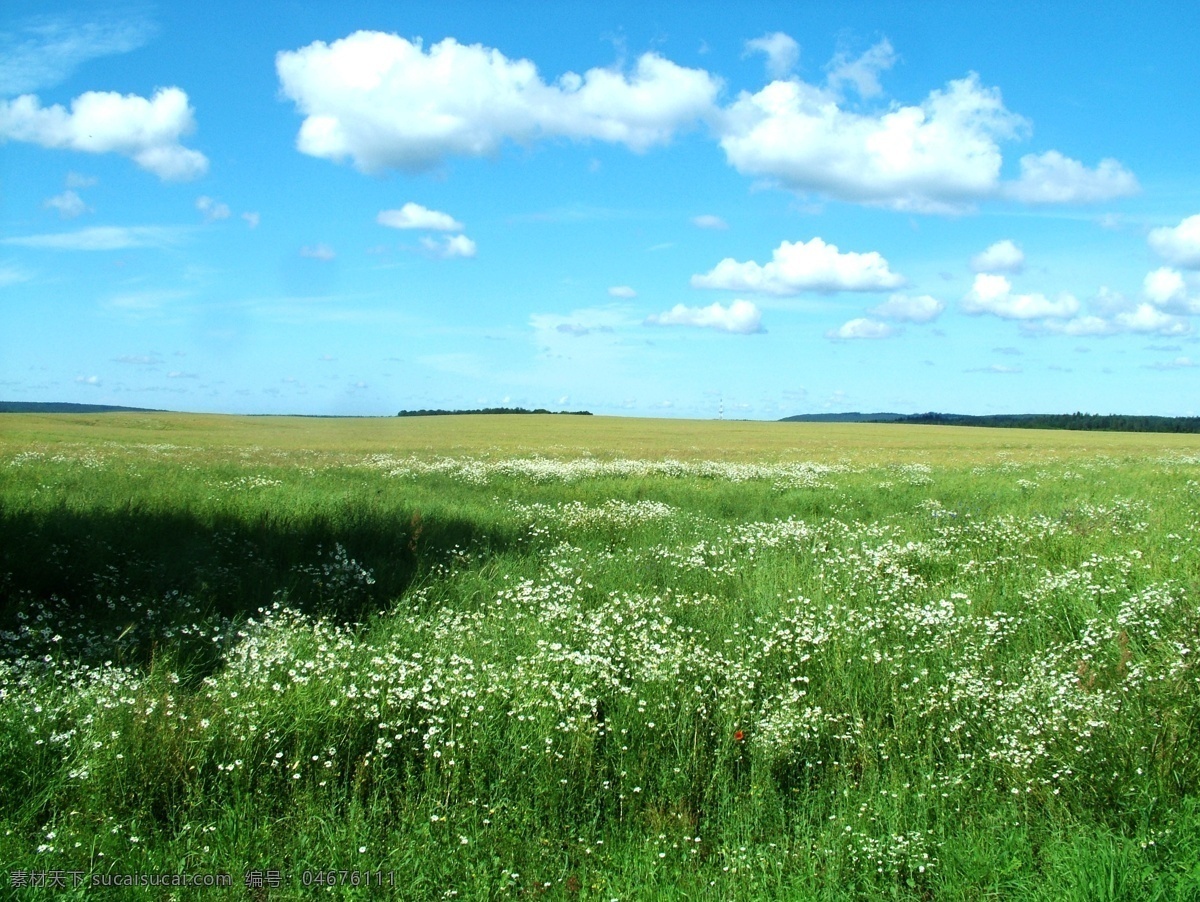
(738, 735)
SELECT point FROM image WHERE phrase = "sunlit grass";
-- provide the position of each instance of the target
(939, 663)
(207, 437)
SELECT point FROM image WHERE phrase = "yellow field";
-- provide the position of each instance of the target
(575, 436)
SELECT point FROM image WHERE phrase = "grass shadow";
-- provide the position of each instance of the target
(133, 583)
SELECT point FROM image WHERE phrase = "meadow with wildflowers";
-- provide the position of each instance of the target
(598, 659)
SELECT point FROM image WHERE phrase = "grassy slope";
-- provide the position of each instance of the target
(611, 679)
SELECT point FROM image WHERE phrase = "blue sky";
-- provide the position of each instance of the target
(645, 209)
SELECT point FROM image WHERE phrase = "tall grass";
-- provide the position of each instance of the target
(502, 675)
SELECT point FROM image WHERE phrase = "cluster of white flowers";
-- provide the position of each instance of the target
(939, 653)
(544, 470)
(248, 483)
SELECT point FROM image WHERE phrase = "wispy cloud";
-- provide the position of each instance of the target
(11, 274)
(861, 72)
(42, 51)
(709, 221)
(79, 180)
(212, 210)
(68, 204)
(143, 302)
(450, 247)
(1178, 363)
(321, 252)
(781, 50)
(592, 338)
(997, 368)
(103, 238)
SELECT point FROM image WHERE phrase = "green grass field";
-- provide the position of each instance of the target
(596, 658)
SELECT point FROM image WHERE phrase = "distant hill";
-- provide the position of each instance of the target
(1075, 421)
(488, 410)
(843, 418)
(63, 407)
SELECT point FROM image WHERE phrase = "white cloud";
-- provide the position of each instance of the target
(1177, 363)
(102, 238)
(252, 220)
(622, 291)
(861, 72)
(921, 308)
(1164, 286)
(1179, 245)
(146, 131)
(318, 252)
(1084, 325)
(740, 317)
(708, 221)
(993, 294)
(385, 102)
(212, 210)
(1173, 291)
(861, 328)
(781, 50)
(1143, 318)
(803, 266)
(68, 204)
(1148, 318)
(1051, 178)
(1003, 256)
(450, 246)
(941, 155)
(45, 51)
(88, 380)
(414, 216)
(995, 368)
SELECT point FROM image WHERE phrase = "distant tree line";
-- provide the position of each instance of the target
(455, 413)
(65, 407)
(1091, 422)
